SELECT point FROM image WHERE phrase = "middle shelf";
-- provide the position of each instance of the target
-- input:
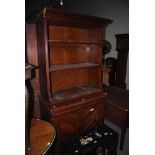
(60, 67)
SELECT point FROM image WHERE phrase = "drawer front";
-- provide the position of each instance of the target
(83, 98)
(84, 102)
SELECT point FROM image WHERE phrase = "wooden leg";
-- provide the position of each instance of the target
(124, 127)
(123, 133)
(27, 121)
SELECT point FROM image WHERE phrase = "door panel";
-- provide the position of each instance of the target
(89, 117)
(69, 123)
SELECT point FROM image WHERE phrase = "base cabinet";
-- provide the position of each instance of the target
(79, 117)
(76, 118)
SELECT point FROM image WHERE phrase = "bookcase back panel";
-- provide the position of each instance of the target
(95, 54)
(73, 53)
(57, 54)
(95, 35)
(68, 54)
(94, 77)
(73, 78)
(56, 33)
(74, 34)
(69, 34)
(68, 78)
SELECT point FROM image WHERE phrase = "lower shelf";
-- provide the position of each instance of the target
(74, 92)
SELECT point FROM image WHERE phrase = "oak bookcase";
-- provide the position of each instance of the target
(70, 70)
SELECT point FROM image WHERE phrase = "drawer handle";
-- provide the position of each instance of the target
(92, 109)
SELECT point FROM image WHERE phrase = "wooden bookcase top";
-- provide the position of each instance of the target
(70, 53)
(57, 17)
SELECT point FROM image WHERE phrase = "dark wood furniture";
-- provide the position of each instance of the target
(110, 63)
(28, 76)
(40, 136)
(99, 141)
(117, 102)
(32, 57)
(70, 70)
(117, 109)
(122, 47)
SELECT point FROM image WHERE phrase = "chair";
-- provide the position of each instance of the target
(40, 135)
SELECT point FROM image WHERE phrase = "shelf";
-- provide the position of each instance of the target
(74, 42)
(74, 92)
(72, 66)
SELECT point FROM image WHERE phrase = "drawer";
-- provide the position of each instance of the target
(76, 99)
(82, 103)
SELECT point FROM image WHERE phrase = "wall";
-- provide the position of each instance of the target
(117, 10)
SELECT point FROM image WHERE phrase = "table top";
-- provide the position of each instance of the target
(42, 137)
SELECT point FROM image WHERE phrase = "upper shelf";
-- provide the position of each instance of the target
(57, 17)
(72, 66)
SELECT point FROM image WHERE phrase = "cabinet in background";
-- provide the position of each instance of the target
(122, 47)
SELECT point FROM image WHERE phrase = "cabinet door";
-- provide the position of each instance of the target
(69, 123)
(90, 117)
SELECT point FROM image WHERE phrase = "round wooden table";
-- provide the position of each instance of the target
(42, 137)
